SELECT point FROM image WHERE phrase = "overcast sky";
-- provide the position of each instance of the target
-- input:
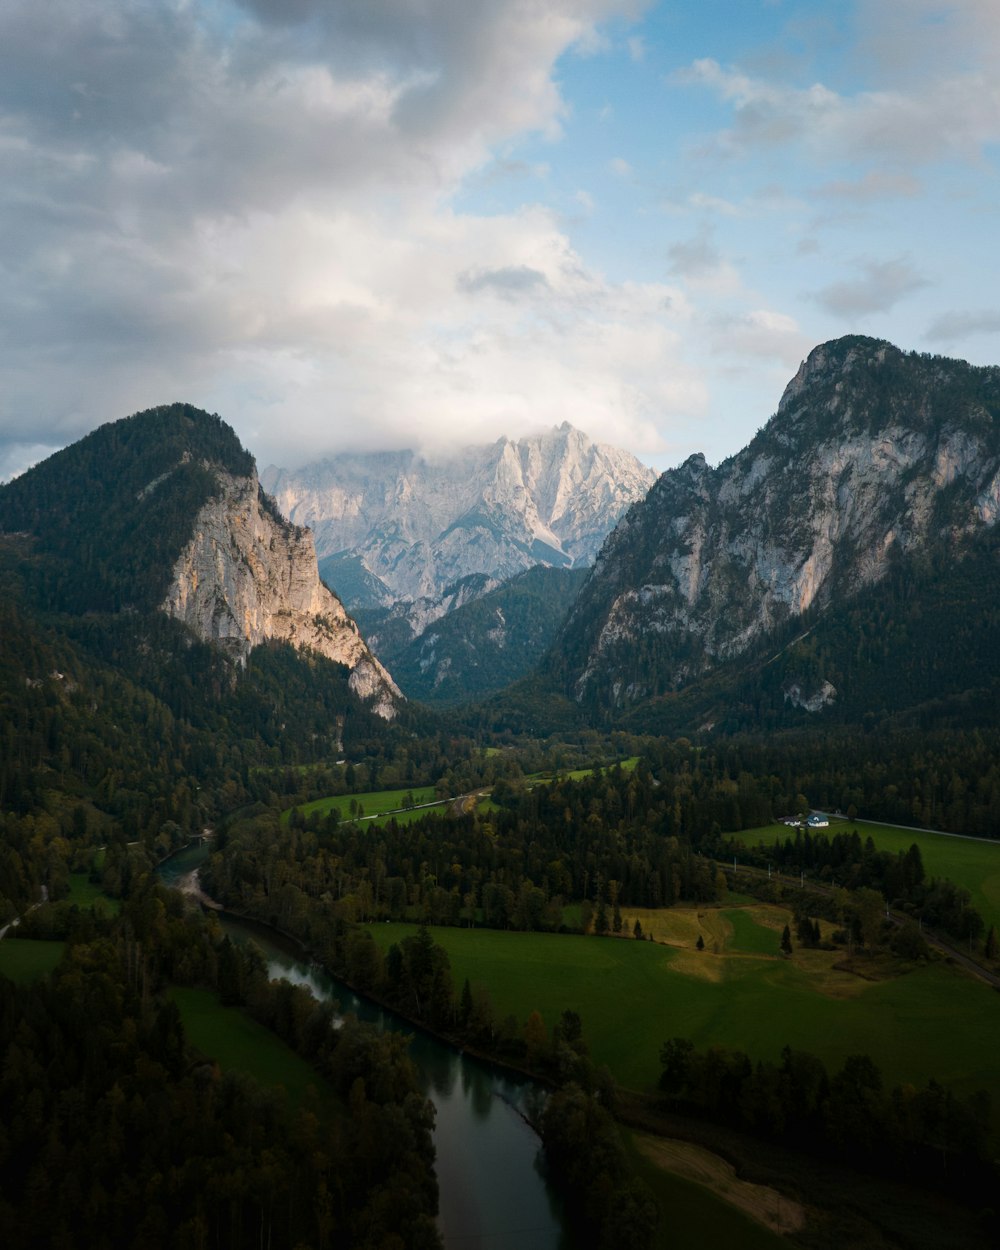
(380, 223)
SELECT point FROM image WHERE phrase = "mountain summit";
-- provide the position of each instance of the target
(163, 511)
(395, 526)
(879, 475)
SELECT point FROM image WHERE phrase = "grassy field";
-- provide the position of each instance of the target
(737, 992)
(239, 1044)
(379, 804)
(25, 961)
(86, 893)
(375, 802)
(975, 865)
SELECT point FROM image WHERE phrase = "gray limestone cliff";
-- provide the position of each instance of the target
(394, 526)
(246, 577)
(874, 455)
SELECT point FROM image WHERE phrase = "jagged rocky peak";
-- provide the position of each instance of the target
(873, 454)
(400, 526)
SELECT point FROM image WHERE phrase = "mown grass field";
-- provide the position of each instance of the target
(26, 961)
(736, 992)
(974, 865)
(239, 1044)
(381, 803)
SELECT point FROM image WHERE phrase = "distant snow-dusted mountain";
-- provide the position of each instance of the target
(393, 526)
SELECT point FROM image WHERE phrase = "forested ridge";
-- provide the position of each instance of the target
(482, 646)
(113, 511)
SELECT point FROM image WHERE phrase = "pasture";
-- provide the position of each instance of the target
(373, 803)
(966, 861)
(24, 961)
(229, 1037)
(376, 806)
(737, 992)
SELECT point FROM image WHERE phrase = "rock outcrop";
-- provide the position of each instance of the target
(874, 456)
(246, 576)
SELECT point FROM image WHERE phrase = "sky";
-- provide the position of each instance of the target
(367, 224)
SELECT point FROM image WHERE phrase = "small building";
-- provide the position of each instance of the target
(818, 820)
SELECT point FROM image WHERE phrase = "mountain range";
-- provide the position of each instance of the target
(398, 526)
(843, 566)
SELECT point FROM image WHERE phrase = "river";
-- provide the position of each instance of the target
(492, 1193)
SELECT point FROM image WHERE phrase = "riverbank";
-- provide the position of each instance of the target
(778, 1190)
(700, 1197)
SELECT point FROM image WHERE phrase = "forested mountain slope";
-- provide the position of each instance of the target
(480, 646)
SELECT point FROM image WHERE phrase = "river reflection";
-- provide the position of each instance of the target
(493, 1195)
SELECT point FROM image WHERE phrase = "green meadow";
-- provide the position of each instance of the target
(26, 961)
(969, 863)
(86, 894)
(238, 1043)
(374, 802)
(737, 992)
(381, 804)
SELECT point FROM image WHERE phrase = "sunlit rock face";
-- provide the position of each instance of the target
(874, 454)
(246, 577)
(397, 526)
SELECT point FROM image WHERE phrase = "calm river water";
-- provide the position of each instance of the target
(492, 1194)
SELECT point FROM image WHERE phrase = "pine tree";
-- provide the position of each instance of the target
(786, 941)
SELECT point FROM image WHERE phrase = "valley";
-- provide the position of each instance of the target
(538, 870)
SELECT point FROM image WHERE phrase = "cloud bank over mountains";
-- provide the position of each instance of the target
(357, 225)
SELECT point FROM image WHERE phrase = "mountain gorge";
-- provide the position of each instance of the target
(876, 483)
(396, 526)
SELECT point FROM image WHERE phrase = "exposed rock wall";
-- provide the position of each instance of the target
(873, 454)
(395, 526)
(246, 577)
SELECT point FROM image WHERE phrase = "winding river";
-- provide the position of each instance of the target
(492, 1193)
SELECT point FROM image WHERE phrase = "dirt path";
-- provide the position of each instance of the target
(694, 1163)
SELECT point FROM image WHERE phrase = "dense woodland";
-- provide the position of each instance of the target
(905, 1133)
(645, 837)
(114, 1133)
(480, 647)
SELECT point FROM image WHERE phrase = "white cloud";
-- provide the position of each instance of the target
(699, 262)
(760, 334)
(881, 284)
(876, 184)
(955, 115)
(248, 208)
(952, 326)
